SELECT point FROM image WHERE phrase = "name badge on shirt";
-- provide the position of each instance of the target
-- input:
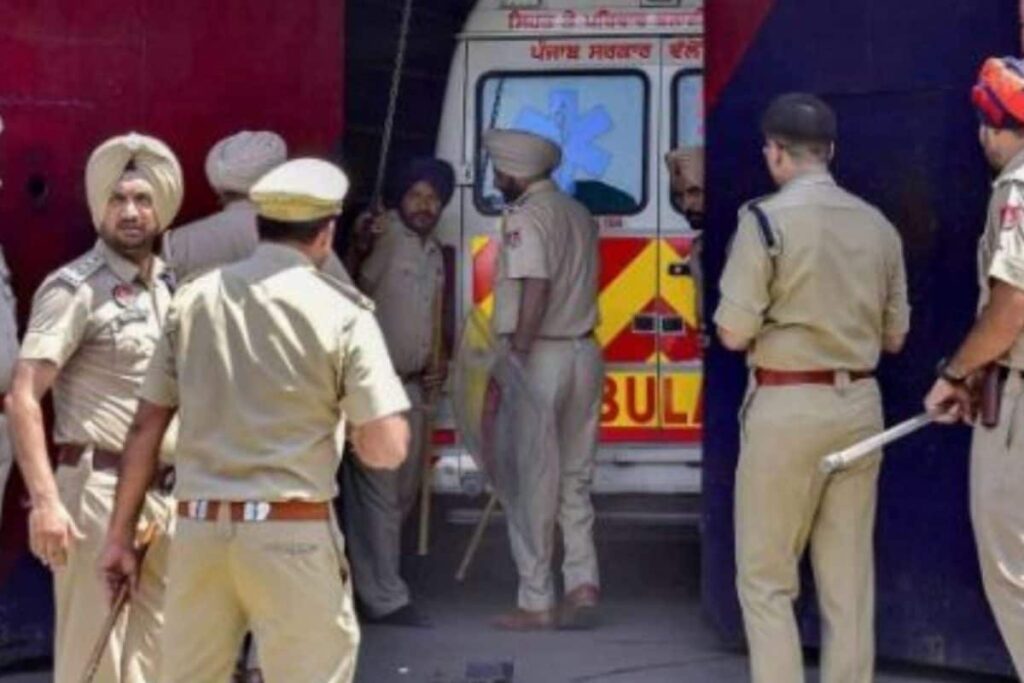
(124, 295)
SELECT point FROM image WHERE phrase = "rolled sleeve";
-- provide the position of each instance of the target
(370, 389)
(738, 320)
(57, 325)
(525, 249)
(160, 386)
(1008, 260)
(744, 283)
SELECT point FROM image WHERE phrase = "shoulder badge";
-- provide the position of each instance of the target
(81, 269)
(348, 291)
(772, 240)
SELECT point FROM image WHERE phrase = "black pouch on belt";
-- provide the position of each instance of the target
(991, 395)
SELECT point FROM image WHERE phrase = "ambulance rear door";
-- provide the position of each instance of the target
(601, 98)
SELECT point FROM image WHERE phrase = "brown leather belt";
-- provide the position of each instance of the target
(70, 455)
(785, 378)
(255, 511)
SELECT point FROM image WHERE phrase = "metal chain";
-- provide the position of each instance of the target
(389, 119)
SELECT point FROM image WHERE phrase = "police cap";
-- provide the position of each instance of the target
(300, 190)
(799, 117)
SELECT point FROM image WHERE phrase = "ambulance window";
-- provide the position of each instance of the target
(599, 119)
(687, 133)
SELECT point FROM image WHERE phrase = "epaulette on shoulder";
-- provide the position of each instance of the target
(771, 239)
(348, 291)
(81, 269)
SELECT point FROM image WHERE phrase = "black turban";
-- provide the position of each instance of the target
(435, 172)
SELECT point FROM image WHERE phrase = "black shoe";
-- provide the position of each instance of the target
(406, 616)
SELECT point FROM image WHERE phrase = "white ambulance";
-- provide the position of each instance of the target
(617, 84)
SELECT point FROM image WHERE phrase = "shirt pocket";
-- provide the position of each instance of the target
(134, 339)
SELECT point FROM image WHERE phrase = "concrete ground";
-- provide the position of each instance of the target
(653, 630)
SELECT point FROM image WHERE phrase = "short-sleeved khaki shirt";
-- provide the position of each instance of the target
(550, 236)
(834, 288)
(1001, 248)
(224, 237)
(263, 359)
(98, 320)
(8, 327)
(403, 275)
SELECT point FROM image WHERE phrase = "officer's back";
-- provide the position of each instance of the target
(834, 269)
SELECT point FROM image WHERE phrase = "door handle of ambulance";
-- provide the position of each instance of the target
(679, 269)
(672, 324)
(645, 323)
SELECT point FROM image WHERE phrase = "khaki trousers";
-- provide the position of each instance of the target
(997, 514)
(566, 378)
(784, 502)
(133, 651)
(376, 503)
(6, 461)
(287, 582)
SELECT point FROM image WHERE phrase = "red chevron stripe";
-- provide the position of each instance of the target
(484, 264)
(616, 255)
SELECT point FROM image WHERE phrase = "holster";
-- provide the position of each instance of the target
(991, 395)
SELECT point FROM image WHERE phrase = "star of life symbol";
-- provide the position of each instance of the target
(576, 132)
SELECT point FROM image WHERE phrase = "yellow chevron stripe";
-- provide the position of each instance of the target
(623, 297)
(679, 293)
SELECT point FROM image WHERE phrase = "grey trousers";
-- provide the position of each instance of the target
(375, 504)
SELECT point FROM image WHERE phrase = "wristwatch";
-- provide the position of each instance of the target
(945, 374)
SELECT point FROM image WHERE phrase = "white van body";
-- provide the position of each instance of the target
(618, 84)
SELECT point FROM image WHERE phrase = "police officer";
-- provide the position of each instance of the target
(261, 359)
(94, 325)
(233, 165)
(8, 356)
(545, 310)
(997, 456)
(404, 275)
(814, 290)
(686, 173)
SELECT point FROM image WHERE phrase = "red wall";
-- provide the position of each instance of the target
(73, 72)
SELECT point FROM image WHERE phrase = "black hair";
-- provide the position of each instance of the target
(305, 232)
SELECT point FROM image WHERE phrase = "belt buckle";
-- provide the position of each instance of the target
(255, 511)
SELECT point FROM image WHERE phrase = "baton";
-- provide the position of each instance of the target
(120, 602)
(840, 460)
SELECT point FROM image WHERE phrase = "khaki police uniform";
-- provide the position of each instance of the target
(8, 356)
(225, 237)
(816, 288)
(548, 235)
(403, 275)
(284, 353)
(997, 454)
(98, 320)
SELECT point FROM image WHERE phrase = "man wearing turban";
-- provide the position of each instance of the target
(545, 312)
(402, 270)
(233, 166)
(8, 356)
(686, 173)
(94, 325)
(994, 350)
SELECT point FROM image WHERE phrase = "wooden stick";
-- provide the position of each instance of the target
(430, 401)
(478, 535)
(120, 602)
